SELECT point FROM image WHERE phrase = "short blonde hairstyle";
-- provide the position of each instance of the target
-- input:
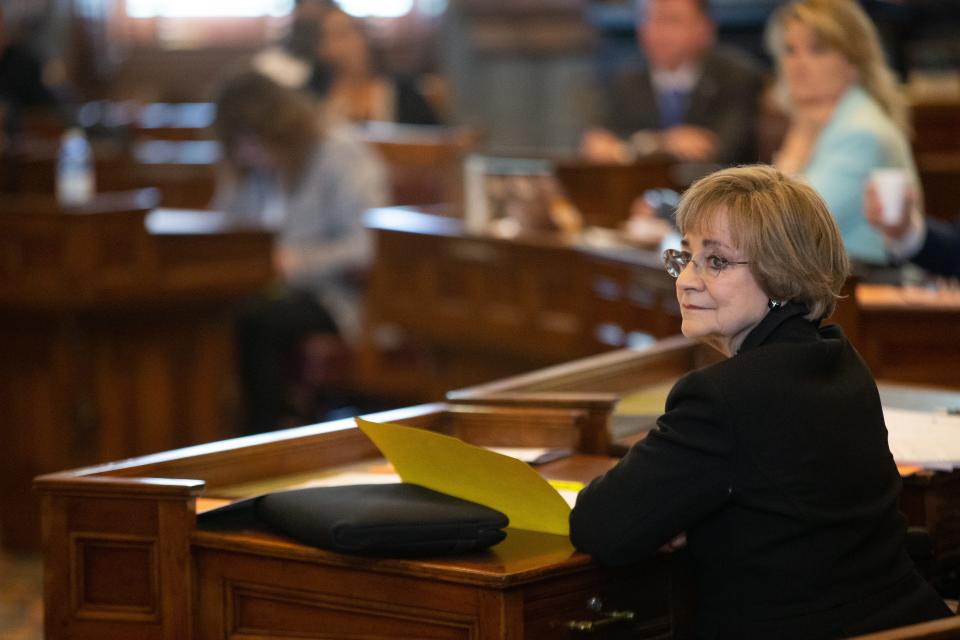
(783, 228)
(843, 26)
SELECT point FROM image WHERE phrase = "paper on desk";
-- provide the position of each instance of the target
(456, 468)
(930, 440)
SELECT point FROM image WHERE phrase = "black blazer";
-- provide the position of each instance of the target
(21, 79)
(940, 252)
(410, 106)
(776, 465)
(725, 100)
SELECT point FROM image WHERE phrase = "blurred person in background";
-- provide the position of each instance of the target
(693, 99)
(929, 243)
(311, 182)
(847, 114)
(350, 77)
(22, 87)
(290, 62)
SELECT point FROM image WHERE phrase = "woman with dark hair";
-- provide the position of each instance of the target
(349, 77)
(286, 169)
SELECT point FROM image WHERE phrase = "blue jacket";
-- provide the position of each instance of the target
(859, 138)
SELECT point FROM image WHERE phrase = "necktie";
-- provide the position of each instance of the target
(672, 104)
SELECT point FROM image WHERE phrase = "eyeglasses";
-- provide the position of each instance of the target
(676, 261)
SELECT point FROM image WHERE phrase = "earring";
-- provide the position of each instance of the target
(774, 304)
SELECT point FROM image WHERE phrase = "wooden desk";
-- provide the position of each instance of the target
(936, 148)
(446, 309)
(596, 385)
(936, 125)
(604, 193)
(117, 335)
(624, 391)
(150, 121)
(183, 172)
(125, 558)
(425, 163)
(173, 121)
(910, 334)
(940, 178)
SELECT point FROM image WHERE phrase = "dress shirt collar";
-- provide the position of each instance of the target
(682, 79)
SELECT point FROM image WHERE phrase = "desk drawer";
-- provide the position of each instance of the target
(242, 596)
(636, 604)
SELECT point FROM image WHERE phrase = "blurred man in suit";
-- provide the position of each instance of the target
(692, 99)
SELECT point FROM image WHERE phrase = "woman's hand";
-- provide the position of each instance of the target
(599, 145)
(873, 211)
(800, 139)
(285, 262)
(689, 143)
(794, 154)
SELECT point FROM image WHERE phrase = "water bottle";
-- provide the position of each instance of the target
(75, 178)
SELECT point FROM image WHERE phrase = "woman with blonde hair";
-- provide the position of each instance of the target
(847, 115)
(772, 466)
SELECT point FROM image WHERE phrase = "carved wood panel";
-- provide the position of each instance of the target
(115, 578)
(241, 596)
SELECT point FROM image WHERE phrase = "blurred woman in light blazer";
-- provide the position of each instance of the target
(847, 113)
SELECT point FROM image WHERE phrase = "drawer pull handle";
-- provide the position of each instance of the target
(613, 617)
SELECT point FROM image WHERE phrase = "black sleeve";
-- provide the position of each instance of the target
(940, 252)
(665, 484)
(21, 79)
(629, 106)
(320, 80)
(411, 106)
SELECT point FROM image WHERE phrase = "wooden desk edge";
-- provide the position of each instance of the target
(432, 568)
(67, 483)
(606, 362)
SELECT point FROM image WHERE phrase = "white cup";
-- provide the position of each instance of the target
(891, 188)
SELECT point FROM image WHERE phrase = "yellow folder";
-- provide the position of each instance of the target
(451, 466)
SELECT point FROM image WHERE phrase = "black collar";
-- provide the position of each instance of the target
(786, 322)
